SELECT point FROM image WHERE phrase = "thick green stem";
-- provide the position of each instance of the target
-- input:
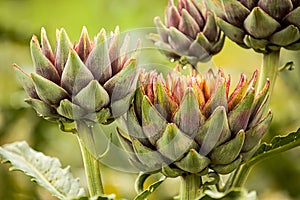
(269, 70)
(91, 163)
(241, 175)
(190, 187)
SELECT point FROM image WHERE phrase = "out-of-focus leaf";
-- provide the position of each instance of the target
(140, 180)
(102, 197)
(44, 170)
(143, 195)
(236, 194)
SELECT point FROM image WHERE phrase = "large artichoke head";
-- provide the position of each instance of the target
(81, 81)
(189, 34)
(191, 124)
(264, 25)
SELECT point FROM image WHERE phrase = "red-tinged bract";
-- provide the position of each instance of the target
(89, 80)
(190, 33)
(189, 124)
(264, 25)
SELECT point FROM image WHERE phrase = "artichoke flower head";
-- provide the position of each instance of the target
(264, 25)
(189, 124)
(190, 33)
(79, 81)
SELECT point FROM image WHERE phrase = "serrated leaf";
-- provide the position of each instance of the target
(279, 144)
(143, 195)
(44, 170)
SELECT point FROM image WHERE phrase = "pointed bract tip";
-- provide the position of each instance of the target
(43, 32)
(171, 3)
(243, 78)
(158, 22)
(253, 79)
(34, 43)
(101, 36)
(84, 32)
(34, 39)
(117, 30)
(84, 29)
(17, 67)
(102, 31)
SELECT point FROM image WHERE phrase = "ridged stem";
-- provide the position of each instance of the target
(269, 70)
(91, 163)
(190, 185)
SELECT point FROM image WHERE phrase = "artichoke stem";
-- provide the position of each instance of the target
(269, 71)
(190, 187)
(91, 163)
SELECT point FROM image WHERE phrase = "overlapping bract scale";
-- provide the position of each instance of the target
(264, 25)
(189, 124)
(189, 34)
(81, 81)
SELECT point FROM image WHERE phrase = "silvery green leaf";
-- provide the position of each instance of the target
(44, 170)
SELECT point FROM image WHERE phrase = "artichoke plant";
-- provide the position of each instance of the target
(190, 33)
(264, 25)
(90, 80)
(189, 124)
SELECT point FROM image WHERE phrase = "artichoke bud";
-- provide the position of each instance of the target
(90, 80)
(190, 33)
(264, 26)
(190, 124)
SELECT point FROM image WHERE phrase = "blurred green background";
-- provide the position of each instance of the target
(276, 178)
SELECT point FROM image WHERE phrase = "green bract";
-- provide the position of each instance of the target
(191, 124)
(190, 33)
(86, 80)
(264, 25)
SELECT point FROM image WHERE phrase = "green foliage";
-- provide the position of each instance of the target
(103, 197)
(143, 194)
(235, 194)
(278, 144)
(44, 170)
